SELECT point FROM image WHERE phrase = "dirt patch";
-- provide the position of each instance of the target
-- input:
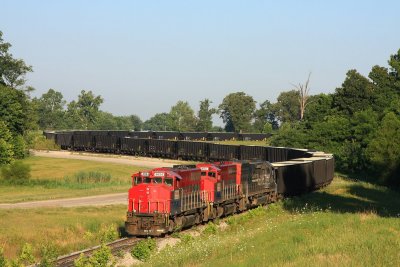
(169, 241)
(128, 260)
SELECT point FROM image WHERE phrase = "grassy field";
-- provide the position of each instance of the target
(67, 229)
(349, 223)
(53, 168)
(51, 174)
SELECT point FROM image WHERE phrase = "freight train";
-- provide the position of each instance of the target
(166, 135)
(162, 200)
(233, 178)
(153, 144)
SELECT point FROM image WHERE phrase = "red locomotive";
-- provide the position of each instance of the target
(164, 199)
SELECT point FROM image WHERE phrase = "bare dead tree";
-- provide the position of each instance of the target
(303, 90)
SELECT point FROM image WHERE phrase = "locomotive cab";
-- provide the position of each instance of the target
(210, 176)
(149, 201)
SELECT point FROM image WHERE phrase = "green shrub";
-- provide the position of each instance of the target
(48, 254)
(143, 250)
(108, 233)
(36, 140)
(16, 173)
(26, 257)
(100, 258)
(210, 229)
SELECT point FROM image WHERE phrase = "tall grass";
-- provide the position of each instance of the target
(59, 178)
(91, 177)
(66, 230)
(79, 180)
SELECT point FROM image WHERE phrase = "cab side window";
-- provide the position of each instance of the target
(169, 181)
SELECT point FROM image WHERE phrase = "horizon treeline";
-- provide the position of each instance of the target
(359, 123)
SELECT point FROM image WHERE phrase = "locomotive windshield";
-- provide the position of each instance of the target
(137, 180)
(146, 180)
(157, 180)
(169, 181)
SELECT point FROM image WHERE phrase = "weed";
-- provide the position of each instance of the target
(210, 229)
(26, 257)
(176, 235)
(186, 238)
(143, 250)
(231, 220)
(120, 253)
(108, 233)
(91, 177)
(100, 258)
(48, 254)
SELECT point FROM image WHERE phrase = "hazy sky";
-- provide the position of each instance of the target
(144, 56)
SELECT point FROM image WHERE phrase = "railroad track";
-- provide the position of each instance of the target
(117, 245)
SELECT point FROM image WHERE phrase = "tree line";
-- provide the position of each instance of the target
(359, 123)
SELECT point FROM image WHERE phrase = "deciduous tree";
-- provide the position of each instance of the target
(384, 148)
(181, 117)
(266, 114)
(355, 94)
(237, 110)
(159, 122)
(15, 110)
(287, 107)
(50, 107)
(204, 123)
(85, 111)
(12, 71)
(6, 147)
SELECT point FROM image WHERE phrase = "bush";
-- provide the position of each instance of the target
(108, 233)
(16, 173)
(26, 257)
(100, 258)
(49, 255)
(36, 140)
(143, 250)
